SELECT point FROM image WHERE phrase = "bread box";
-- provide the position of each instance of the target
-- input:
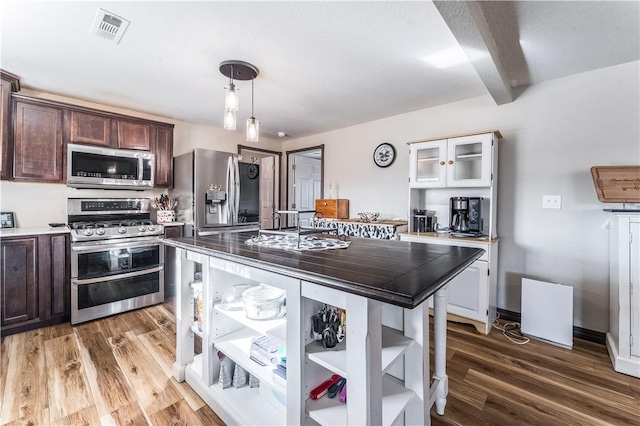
(333, 208)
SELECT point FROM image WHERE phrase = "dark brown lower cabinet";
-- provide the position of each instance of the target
(34, 281)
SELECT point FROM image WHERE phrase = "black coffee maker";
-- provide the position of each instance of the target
(459, 214)
(466, 215)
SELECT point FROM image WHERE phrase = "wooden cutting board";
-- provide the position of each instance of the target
(617, 184)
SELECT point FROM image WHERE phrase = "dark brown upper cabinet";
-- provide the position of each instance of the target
(88, 128)
(37, 141)
(9, 83)
(41, 129)
(164, 157)
(133, 135)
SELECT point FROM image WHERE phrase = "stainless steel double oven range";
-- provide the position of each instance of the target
(117, 260)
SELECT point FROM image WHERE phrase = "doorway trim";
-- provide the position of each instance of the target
(295, 151)
(277, 159)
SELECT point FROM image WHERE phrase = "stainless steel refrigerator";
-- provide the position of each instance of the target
(216, 192)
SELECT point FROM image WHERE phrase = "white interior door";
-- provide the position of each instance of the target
(305, 188)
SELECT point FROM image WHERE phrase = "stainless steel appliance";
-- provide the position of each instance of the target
(216, 192)
(423, 220)
(117, 258)
(99, 167)
(467, 216)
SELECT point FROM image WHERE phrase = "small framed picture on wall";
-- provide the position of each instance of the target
(7, 220)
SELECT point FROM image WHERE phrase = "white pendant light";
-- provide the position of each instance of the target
(231, 99)
(253, 125)
(238, 70)
(229, 120)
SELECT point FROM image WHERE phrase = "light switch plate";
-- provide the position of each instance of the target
(551, 201)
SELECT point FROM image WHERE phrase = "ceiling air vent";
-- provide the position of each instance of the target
(108, 25)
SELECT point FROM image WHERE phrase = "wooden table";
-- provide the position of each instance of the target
(366, 279)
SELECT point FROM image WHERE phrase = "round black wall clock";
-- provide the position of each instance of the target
(384, 154)
(252, 171)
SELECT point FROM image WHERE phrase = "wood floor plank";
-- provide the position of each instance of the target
(189, 395)
(58, 330)
(532, 408)
(86, 417)
(162, 348)
(130, 414)
(136, 321)
(67, 386)
(109, 386)
(25, 381)
(550, 369)
(40, 418)
(208, 417)
(153, 389)
(164, 319)
(506, 377)
(459, 413)
(5, 348)
(457, 371)
(178, 414)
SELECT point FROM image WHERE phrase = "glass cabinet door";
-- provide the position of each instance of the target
(469, 161)
(428, 164)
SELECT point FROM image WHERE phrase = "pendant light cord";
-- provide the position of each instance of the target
(252, 116)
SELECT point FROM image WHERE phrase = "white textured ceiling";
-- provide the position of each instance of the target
(323, 65)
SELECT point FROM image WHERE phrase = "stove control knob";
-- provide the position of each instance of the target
(141, 228)
(100, 231)
(151, 228)
(122, 230)
(87, 232)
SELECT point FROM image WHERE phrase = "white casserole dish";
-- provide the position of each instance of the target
(263, 302)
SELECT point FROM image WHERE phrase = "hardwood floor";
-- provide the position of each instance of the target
(117, 370)
(113, 371)
(495, 382)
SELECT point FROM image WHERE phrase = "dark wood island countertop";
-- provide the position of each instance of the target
(396, 272)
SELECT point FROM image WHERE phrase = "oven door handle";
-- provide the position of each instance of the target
(111, 245)
(76, 281)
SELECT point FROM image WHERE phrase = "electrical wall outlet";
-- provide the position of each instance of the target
(551, 201)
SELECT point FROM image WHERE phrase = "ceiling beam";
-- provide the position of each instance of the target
(469, 27)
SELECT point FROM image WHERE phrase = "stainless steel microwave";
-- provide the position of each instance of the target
(106, 168)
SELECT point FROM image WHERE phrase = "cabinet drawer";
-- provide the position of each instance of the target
(333, 209)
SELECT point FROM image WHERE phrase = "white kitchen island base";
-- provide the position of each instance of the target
(385, 361)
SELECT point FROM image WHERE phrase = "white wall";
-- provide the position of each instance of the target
(553, 133)
(37, 204)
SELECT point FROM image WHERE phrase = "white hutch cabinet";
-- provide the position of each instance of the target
(461, 166)
(623, 338)
(463, 161)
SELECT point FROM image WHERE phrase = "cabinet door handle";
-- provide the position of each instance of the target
(450, 161)
(325, 203)
(442, 163)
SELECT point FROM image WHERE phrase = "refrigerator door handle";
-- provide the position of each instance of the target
(231, 214)
(236, 190)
